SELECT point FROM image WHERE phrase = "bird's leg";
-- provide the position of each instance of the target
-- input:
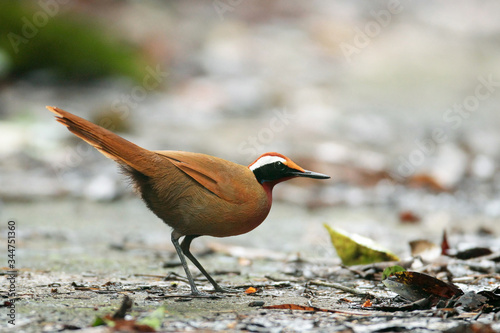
(175, 241)
(186, 243)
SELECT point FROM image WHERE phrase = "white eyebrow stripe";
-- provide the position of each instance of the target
(268, 159)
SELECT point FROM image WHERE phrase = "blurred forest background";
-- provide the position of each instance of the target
(397, 101)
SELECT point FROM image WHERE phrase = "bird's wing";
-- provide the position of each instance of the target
(216, 175)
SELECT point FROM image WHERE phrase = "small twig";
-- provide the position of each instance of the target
(149, 275)
(287, 280)
(341, 287)
(126, 306)
(188, 297)
(169, 277)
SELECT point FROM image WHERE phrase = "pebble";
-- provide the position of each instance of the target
(101, 188)
(449, 165)
(256, 303)
(483, 167)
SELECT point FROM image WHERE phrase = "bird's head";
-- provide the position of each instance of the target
(273, 168)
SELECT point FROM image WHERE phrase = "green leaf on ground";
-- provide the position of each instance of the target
(358, 250)
(391, 270)
(154, 319)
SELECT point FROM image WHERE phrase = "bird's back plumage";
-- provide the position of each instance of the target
(196, 194)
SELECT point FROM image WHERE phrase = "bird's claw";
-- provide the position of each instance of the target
(194, 295)
(227, 290)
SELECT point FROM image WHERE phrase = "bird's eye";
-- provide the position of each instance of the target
(280, 166)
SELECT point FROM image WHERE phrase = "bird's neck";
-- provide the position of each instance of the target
(266, 184)
(268, 187)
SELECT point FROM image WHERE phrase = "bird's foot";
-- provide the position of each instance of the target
(199, 294)
(219, 289)
(194, 295)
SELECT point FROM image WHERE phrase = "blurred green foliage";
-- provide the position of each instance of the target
(40, 36)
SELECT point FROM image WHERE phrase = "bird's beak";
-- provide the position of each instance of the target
(309, 174)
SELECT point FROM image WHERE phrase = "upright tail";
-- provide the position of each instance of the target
(108, 143)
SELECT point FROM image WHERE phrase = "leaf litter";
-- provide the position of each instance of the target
(441, 294)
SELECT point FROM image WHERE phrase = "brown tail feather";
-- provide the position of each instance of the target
(108, 143)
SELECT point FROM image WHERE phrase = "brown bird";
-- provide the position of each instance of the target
(195, 194)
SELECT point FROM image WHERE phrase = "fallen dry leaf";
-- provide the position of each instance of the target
(426, 181)
(407, 216)
(296, 307)
(473, 253)
(311, 308)
(425, 249)
(445, 246)
(415, 286)
(251, 290)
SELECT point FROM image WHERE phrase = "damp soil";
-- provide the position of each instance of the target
(75, 267)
